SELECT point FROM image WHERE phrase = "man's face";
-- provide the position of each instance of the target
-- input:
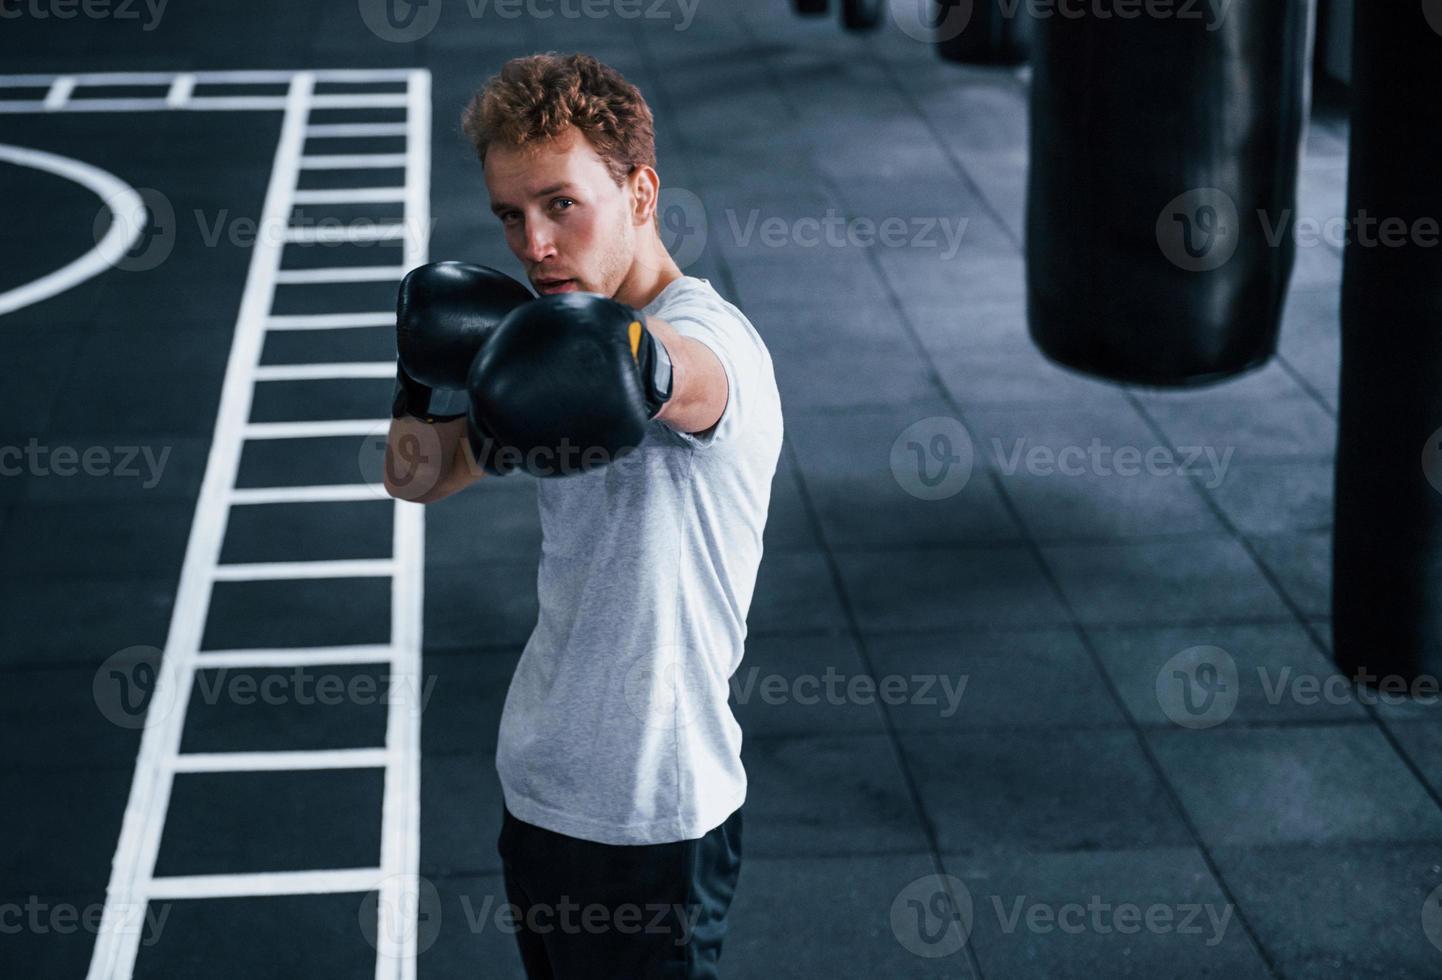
(564, 217)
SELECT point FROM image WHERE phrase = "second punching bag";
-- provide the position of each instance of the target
(1387, 553)
(1162, 187)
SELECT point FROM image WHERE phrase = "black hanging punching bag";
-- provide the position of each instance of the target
(1162, 188)
(1387, 555)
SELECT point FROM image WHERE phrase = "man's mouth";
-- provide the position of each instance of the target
(548, 286)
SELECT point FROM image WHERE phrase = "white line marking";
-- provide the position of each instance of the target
(229, 76)
(418, 192)
(180, 90)
(127, 220)
(132, 877)
(352, 161)
(331, 321)
(59, 93)
(346, 273)
(326, 372)
(286, 571)
(400, 828)
(281, 761)
(308, 495)
(133, 866)
(359, 195)
(250, 103)
(313, 430)
(199, 102)
(361, 74)
(378, 100)
(354, 129)
(16, 105)
(293, 657)
(265, 883)
(93, 78)
(63, 102)
(330, 234)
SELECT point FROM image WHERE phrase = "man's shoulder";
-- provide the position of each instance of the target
(691, 301)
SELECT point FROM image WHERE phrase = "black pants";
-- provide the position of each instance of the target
(608, 912)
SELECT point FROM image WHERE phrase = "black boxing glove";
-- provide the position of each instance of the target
(444, 313)
(566, 383)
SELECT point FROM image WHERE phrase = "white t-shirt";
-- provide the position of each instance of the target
(616, 728)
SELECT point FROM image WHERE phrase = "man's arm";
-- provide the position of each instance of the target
(445, 311)
(698, 381)
(426, 461)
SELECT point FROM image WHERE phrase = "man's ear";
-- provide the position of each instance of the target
(645, 194)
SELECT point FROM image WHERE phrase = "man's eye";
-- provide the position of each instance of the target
(509, 217)
(562, 203)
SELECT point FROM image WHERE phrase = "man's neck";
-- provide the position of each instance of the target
(652, 271)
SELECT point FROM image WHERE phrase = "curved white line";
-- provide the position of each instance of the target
(125, 205)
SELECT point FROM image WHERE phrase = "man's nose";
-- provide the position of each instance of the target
(537, 246)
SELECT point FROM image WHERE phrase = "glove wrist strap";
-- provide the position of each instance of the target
(413, 399)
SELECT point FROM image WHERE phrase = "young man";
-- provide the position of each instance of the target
(619, 757)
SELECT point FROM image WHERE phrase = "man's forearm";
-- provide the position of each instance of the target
(426, 462)
(699, 390)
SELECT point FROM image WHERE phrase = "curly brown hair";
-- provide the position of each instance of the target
(541, 95)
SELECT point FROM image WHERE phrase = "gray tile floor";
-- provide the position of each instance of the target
(1026, 746)
(1059, 778)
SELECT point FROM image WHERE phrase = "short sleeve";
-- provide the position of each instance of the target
(730, 338)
